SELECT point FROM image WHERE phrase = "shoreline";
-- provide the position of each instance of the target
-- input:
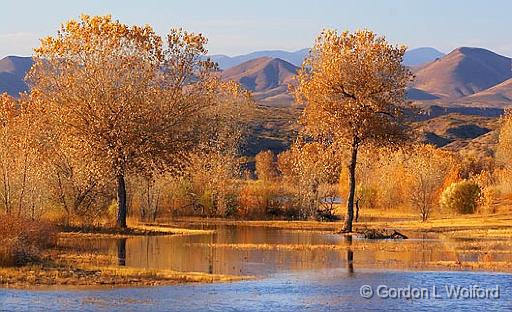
(65, 266)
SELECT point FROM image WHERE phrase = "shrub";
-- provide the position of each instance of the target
(461, 197)
(22, 240)
(258, 199)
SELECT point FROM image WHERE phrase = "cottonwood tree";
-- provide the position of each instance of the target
(308, 166)
(119, 100)
(21, 185)
(428, 169)
(265, 168)
(353, 85)
(7, 156)
(503, 154)
(215, 163)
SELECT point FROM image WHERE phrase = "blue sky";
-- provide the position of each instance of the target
(236, 27)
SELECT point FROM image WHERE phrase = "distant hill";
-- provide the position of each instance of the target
(417, 94)
(268, 79)
(464, 93)
(412, 57)
(12, 72)
(296, 58)
(420, 56)
(261, 74)
(498, 93)
(462, 72)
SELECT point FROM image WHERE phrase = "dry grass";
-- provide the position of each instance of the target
(282, 224)
(473, 266)
(22, 240)
(133, 230)
(468, 223)
(63, 275)
(170, 230)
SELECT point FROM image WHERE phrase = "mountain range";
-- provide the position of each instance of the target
(413, 57)
(296, 58)
(473, 77)
(463, 72)
(466, 76)
(420, 56)
(462, 92)
(12, 72)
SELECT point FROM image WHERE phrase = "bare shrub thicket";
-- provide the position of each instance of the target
(23, 239)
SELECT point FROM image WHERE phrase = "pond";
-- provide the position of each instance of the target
(294, 270)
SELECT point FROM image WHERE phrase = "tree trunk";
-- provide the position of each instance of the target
(357, 209)
(347, 227)
(121, 202)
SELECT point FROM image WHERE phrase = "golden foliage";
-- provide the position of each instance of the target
(21, 184)
(118, 99)
(353, 85)
(354, 88)
(462, 197)
(308, 166)
(428, 170)
(503, 154)
(265, 167)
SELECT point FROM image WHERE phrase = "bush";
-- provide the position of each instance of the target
(261, 199)
(22, 240)
(461, 197)
(258, 199)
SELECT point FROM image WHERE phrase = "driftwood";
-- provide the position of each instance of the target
(381, 234)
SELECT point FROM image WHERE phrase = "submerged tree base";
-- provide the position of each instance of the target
(381, 234)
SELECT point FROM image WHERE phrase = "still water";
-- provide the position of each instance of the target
(294, 270)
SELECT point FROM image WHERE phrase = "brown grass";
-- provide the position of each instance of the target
(88, 275)
(133, 230)
(22, 240)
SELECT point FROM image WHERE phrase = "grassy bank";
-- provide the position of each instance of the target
(32, 257)
(133, 230)
(60, 274)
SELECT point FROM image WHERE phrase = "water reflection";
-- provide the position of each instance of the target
(350, 255)
(246, 250)
(121, 251)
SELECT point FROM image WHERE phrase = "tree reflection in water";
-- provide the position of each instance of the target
(121, 251)
(350, 254)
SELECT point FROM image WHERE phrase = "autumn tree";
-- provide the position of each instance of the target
(353, 85)
(503, 155)
(121, 101)
(215, 163)
(21, 184)
(7, 157)
(265, 167)
(308, 166)
(428, 169)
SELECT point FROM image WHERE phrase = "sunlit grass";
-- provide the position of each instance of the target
(89, 275)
